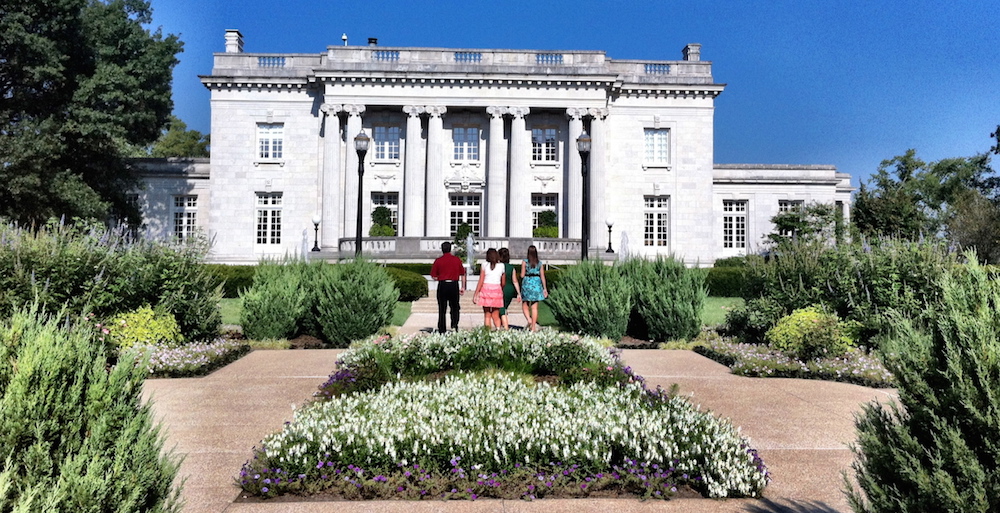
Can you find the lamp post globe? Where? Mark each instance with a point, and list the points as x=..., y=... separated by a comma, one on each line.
x=583, y=146
x=610, y=222
x=361, y=142
x=316, y=220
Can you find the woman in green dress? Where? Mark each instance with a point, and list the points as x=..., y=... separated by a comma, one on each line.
x=511, y=288
x=533, y=287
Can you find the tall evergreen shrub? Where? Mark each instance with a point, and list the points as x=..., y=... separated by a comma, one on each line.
x=593, y=299
x=74, y=432
x=276, y=302
x=354, y=300
x=939, y=449
x=667, y=298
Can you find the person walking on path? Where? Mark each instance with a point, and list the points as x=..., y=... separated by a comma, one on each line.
x=511, y=289
x=489, y=290
x=447, y=271
x=533, y=287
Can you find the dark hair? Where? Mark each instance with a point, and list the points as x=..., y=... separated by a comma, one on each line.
x=532, y=255
x=446, y=247
x=492, y=257
x=504, y=255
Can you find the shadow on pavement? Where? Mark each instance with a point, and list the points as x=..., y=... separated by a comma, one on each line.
x=790, y=506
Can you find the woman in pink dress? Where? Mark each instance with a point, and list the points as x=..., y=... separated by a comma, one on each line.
x=489, y=290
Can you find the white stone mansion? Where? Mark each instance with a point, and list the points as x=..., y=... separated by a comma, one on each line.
x=484, y=137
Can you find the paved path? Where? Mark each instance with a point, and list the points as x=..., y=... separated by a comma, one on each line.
x=800, y=427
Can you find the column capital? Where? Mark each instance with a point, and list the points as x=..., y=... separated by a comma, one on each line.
x=330, y=108
x=354, y=109
x=496, y=111
x=598, y=113
x=518, y=112
x=413, y=110
x=576, y=113
x=435, y=111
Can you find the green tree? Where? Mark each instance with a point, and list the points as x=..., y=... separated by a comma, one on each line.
x=80, y=80
x=973, y=222
x=178, y=141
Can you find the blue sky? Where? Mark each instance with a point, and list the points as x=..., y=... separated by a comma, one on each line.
x=847, y=83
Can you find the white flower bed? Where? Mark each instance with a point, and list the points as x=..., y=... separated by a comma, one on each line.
x=496, y=421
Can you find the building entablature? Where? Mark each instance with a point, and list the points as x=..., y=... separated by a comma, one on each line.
x=776, y=174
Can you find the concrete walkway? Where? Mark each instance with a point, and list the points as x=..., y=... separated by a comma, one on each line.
x=800, y=427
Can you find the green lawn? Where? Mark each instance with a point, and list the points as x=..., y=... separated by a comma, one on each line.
x=715, y=309
x=231, y=308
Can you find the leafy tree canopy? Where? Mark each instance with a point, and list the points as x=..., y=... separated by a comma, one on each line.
x=813, y=222
x=80, y=80
x=178, y=141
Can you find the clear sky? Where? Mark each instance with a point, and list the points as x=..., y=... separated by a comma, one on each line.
x=840, y=82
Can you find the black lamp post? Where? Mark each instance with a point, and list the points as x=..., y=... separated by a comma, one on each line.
x=361, y=145
x=316, y=220
x=583, y=146
x=610, y=223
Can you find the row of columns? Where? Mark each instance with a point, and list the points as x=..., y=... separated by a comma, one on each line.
x=425, y=204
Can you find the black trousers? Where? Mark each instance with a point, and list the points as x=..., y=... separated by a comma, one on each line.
x=447, y=295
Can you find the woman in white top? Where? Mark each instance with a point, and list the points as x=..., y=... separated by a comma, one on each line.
x=489, y=290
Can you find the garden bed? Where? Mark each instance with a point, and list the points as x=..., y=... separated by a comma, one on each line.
x=510, y=415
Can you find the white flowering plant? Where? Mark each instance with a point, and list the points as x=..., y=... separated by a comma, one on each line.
x=482, y=430
x=176, y=361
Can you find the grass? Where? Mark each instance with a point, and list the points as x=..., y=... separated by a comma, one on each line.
x=715, y=309
x=401, y=313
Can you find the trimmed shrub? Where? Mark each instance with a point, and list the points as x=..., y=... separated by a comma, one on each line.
x=276, y=302
x=593, y=299
x=545, y=232
x=144, y=327
x=421, y=269
x=736, y=261
x=75, y=433
x=667, y=298
x=354, y=301
x=233, y=278
x=750, y=321
x=810, y=333
x=725, y=281
x=381, y=230
x=937, y=449
x=411, y=285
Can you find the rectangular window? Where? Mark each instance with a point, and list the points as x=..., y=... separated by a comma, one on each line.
x=389, y=200
x=387, y=143
x=656, y=231
x=465, y=209
x=466, y=139
x=542, y=203
x=788, y=206
x=657, y=146
x=544, y=145
x=185, y=216
x=269, y=218
x=270, y=141
x=734, y=223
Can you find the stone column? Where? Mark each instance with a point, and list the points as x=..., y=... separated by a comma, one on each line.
x=598, y=176
x=496, y=176
x=573, y=191
x=351, y=171
x=414, y=188
x=436, y=206
x=519, y=204
x=330, y=227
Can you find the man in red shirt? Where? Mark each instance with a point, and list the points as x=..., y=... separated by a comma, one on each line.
x=447, y=271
